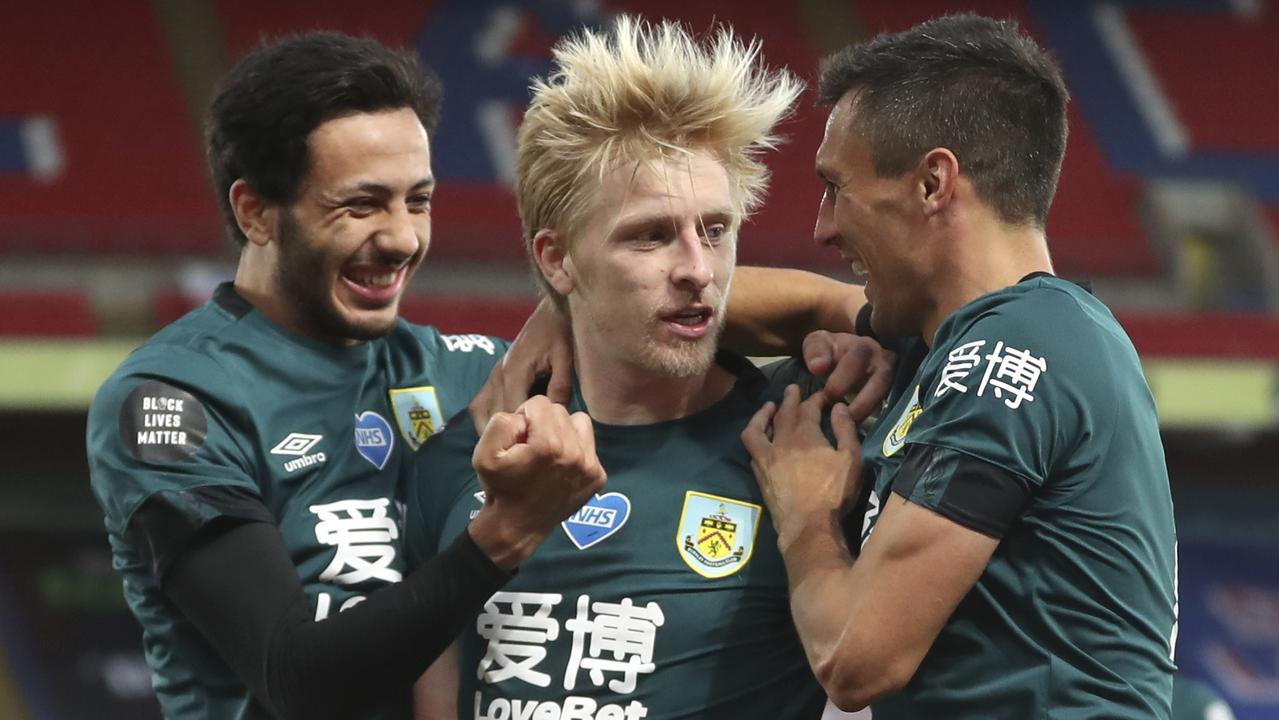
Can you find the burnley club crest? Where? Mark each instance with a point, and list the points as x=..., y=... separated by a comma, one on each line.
x=716, y=534
x=417, y=412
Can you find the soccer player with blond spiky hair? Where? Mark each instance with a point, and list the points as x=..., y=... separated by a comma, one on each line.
x=664, y=596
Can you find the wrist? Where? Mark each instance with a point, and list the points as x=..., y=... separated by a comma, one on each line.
x=842, y=310
x=814, y=533
x=505, y=543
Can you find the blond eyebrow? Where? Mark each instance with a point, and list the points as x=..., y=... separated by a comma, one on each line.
x=630, y=224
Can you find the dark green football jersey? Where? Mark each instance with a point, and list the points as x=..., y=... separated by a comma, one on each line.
x=1074, y=617
x=663, y=597
x=223, y=409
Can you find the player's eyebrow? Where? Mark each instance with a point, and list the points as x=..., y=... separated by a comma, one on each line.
x=375, y=188
x=635, y=223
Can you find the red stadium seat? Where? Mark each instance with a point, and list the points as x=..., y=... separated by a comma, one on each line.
x=132, y=179
x=1203, y=335
x=46, y=313
x=170, y=304
x=1212, y=67
x=122, y=169
x=502, y=317
x=1214, y=71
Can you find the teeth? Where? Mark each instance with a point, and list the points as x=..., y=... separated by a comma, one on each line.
x=378, y=280
x=688, y=318
x=859, y=267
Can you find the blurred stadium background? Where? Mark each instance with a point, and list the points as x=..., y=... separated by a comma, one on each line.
x=1169, y=204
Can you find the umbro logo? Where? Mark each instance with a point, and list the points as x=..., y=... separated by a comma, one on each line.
x=296, y=445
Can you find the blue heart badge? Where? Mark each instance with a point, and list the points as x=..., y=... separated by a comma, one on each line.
x=373, y=438
x=600, y=517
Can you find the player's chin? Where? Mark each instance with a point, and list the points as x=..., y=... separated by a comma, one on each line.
x=684, y=359
x=369, y=324
x=887, y=323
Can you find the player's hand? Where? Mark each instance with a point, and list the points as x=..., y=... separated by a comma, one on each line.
x=544, y=346
x=804, y=480
x=537, y=466
x=856, y=367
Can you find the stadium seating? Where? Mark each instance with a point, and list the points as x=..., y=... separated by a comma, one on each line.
x=117, y=166
x=1227, y=105
x=132, y=160
x=46, y=313
x=1229, y=102
x=1203, y=335
x=502, y=317
x=131, y=181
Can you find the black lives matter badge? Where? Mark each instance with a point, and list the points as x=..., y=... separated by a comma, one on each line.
x=162, y=424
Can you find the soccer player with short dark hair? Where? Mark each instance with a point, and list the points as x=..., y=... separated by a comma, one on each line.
x=1017, y=556
x=247, y=457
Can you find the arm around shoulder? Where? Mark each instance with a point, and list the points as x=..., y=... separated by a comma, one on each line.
x=771, y=310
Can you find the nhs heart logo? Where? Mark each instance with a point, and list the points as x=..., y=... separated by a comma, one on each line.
x=600, y=517
x=373, y=438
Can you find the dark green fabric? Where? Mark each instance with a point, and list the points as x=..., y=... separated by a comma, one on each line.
x=1074, y=614
x=252, y=386
x=725, y=646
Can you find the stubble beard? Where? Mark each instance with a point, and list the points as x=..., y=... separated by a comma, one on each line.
x=303, y=279
x=682, y=359
x=676, y=359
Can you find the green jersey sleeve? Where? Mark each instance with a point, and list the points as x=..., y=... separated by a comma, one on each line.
x=168, y=427
x=1008, y=398
x=441, y=474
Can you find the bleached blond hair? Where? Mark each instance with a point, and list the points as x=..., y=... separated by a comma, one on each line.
x=642, y=92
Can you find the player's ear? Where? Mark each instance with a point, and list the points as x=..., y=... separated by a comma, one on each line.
x=937, y=175
x=255, y=216
x=553, y=260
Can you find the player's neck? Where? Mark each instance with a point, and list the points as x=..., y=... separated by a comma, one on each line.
x=618, y=392
x=255, y=281
x=988, y=257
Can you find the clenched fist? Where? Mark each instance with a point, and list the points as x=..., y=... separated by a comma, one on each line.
x=537, y=466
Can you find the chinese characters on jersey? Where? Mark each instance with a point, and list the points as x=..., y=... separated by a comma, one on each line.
x=363, y=535
x=612, y=644
x=1009, y=374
